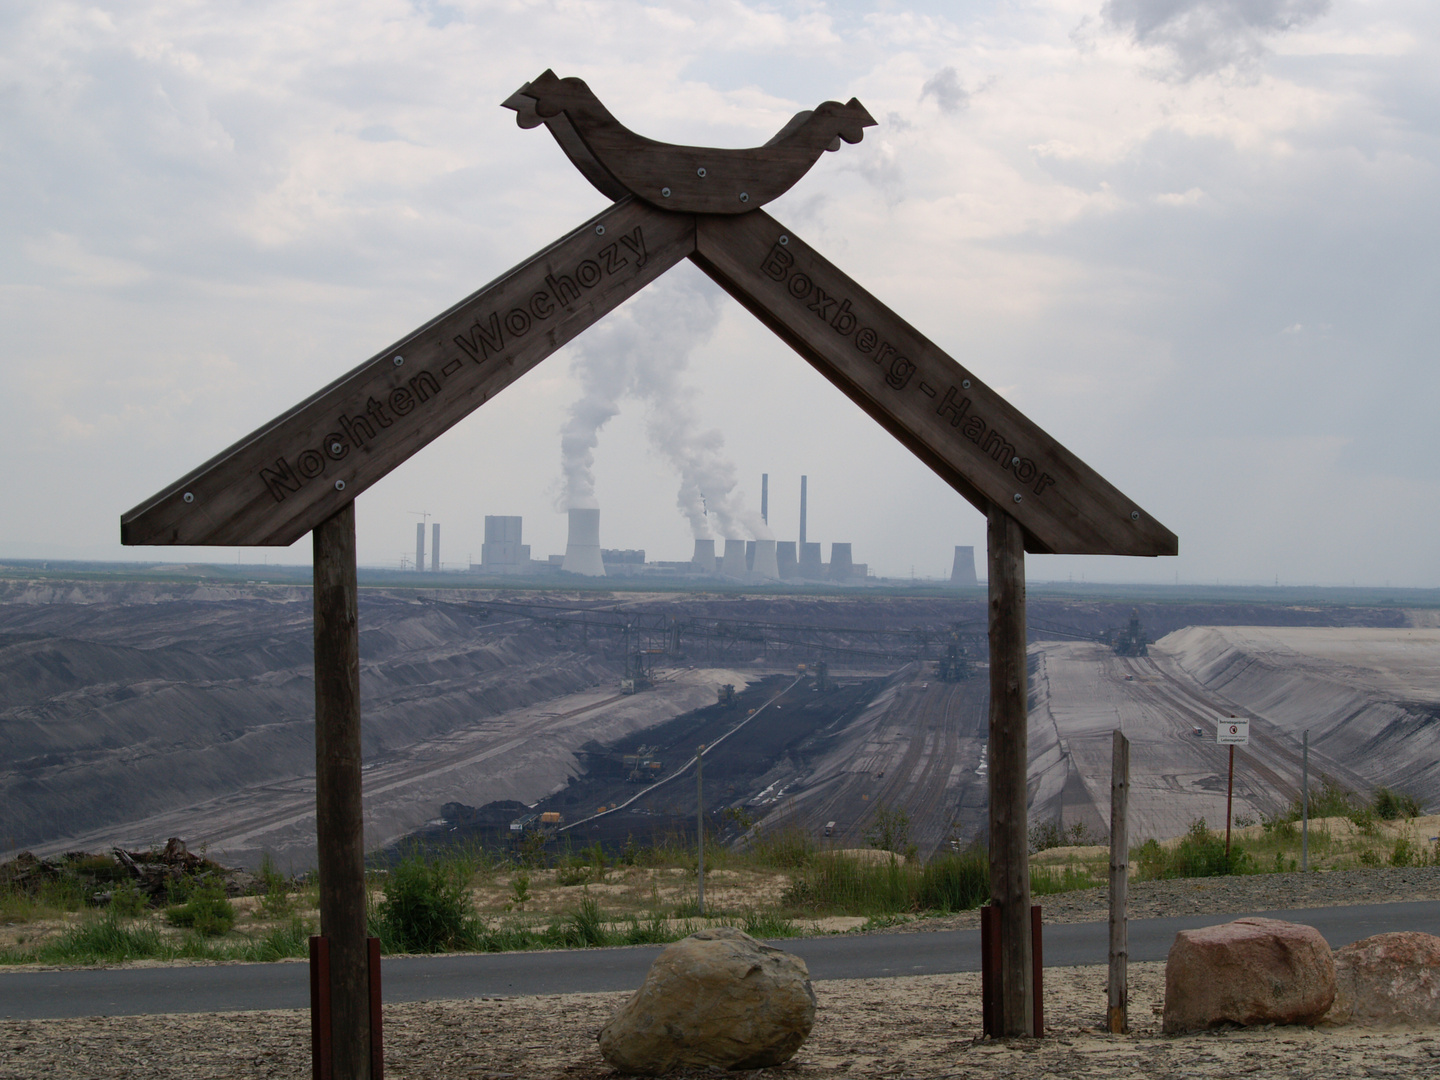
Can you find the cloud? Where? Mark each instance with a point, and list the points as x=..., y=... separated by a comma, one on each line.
x=944, y=86
x=1209, y=35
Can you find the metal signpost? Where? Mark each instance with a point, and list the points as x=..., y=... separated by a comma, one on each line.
x=1231, y=733
x=302, y=471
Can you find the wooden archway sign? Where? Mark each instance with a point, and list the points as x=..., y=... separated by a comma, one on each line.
x=302, y=471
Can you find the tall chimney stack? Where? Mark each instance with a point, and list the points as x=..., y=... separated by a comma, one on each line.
x=420, y=546
x=582, y=550
x=803, y=480
x=765, y=497
x=435, y=548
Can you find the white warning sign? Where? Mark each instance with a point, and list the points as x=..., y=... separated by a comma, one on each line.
x=1233, y=732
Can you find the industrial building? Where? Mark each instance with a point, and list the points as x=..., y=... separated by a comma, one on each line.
x=726, y=559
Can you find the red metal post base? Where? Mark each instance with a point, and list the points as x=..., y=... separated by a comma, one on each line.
x=321, y=1058
x=991, y=1022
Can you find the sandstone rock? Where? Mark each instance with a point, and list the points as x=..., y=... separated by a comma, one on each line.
x=1250, y=971
x=717, y=998
x=1388, y=980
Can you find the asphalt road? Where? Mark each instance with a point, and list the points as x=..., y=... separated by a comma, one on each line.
x=236, y=987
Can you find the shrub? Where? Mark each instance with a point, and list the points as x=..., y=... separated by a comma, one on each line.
x=1200, y=853
x=1390, y=805
x=126, y=900
x=890, y=831
x=275, y=899
x=1404, y=853
x=207, y=912
x=426, y=907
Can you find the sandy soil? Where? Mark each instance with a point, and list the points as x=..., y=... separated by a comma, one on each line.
x=926, y=1027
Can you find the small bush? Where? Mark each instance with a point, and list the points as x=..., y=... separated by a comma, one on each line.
x=275, y=899
x=1045, y=881
x=1404, y=853
x=890, y=831
x=426, y=907
x=207, y=912
x=1392, y=805
x=126, y=900
x=1200, y=853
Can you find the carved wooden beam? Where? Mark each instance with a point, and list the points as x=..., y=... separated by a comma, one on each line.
x=287, y=477
x=978, y=442
x=690, y=179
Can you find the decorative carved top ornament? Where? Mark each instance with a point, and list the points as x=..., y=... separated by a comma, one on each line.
x=687, y=179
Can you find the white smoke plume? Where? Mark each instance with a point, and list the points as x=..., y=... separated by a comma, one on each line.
x=641, y=352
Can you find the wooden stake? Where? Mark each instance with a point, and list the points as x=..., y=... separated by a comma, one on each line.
x=1119, y=883
x=1009, y=716
x=700, y=832
x=338, y=814
x=1229, y=794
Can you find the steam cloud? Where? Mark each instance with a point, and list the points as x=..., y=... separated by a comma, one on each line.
x=641, y=351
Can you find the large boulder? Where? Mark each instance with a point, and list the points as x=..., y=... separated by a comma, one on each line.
x=717, y=998
x=1250, y=971
x=1388, y=980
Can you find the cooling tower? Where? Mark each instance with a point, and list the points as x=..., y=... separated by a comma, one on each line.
x=841, y=568
x=810, y=566
x=785, y=560
x=749, y=555
x=962, y=576
x=766, y=567
x=733, y=564
x=582, y=550
x=704, y=558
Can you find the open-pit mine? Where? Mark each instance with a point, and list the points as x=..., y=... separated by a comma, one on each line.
x=135, y=711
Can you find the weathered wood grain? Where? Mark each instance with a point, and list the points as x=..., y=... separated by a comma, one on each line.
x=1119, y=983
x=1007, y=757
x=694, y=179
x=972, y=437
x=339, y=815
x=282, y=480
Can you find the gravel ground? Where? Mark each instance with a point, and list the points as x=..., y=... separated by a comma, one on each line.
x=878, y=1029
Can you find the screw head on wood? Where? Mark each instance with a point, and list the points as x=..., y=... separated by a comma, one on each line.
x=399, y=360
x=1017, y=496
x=665, y=192
x=339, y=485
x=744, y=196
x=599, y=230
x=700, y=172
x=189, y=496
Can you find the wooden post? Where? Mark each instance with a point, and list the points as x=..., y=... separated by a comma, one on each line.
x=1305, y=803
x=1008, y=751
x=1229, y=794
x=1119, y=883
x=700, y=832
x=338, y=815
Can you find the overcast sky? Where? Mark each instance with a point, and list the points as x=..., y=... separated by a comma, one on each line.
x=1195, y=240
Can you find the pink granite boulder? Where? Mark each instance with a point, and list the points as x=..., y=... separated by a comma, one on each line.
x=1250, y=971
x=1389, y=980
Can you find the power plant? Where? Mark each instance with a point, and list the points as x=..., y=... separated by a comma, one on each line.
x=732, y=559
